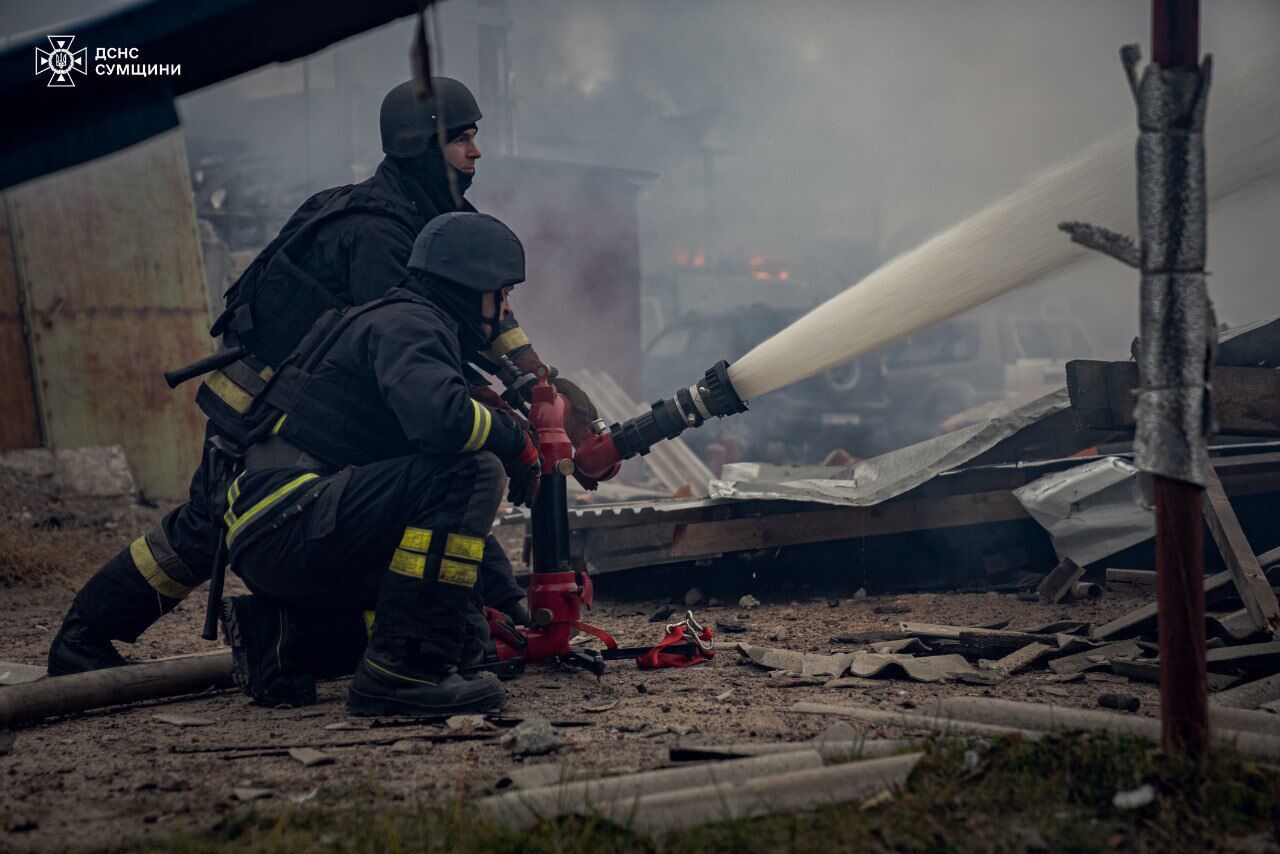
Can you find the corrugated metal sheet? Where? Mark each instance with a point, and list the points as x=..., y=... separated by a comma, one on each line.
x=19, y=418
x=108, y=257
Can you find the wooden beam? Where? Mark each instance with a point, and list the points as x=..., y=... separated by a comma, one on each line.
x=1255, y=591
x=1246, y=400
x=840, y=523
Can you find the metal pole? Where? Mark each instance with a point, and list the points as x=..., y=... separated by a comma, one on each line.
x=1171, y=220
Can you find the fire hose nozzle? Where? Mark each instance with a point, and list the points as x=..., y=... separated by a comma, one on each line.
x=713, y=396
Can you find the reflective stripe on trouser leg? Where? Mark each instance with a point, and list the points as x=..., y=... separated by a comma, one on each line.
x=161, y=567
x=426, y=594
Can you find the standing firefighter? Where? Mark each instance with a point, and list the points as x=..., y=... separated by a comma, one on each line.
x=344, y=246
x=378, y=477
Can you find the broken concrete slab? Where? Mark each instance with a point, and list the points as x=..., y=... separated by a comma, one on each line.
x=839, y=742
x=1057, y=585
x=902, y=645
x=1020, y=659
x=526, y=807
x=1148, y=670
x=536, y=776
x=1250, y=695
x=1251, y=656
x=1062, y=627
x=931, y=668
x=803, y=664
x=309, y=757
x=1099, y=657
x=534, y=736
x=244, y=794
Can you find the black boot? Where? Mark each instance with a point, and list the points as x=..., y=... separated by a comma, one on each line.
x=115, y=604
x=330, y=643
x=394, y=679
x=264, y=643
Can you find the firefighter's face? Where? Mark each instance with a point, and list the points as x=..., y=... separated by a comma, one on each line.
x=494, y=303
x=462, y=153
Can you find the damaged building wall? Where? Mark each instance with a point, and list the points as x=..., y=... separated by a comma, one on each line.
x=105, y=261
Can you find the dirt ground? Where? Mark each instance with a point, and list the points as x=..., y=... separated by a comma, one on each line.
x=123, y=774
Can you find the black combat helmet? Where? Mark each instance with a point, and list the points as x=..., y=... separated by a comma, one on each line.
x=408, y=125
x=471, y=250
x=456, y=259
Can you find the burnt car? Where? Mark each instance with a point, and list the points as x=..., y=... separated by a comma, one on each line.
x=894, y=396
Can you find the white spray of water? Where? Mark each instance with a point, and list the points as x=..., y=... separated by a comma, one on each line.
x=1014, y=241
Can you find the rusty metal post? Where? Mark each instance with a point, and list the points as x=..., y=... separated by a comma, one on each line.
x=1173, y=413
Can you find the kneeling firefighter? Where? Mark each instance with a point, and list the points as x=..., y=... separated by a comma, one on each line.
x=375, y=481
x=344, y=246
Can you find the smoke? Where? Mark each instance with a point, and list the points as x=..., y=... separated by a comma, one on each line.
x=830, y=135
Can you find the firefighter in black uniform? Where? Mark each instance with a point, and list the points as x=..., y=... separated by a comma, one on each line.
x=344, y=246
x=378, y=475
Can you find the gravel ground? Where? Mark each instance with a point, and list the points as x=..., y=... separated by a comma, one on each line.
x=122, y=773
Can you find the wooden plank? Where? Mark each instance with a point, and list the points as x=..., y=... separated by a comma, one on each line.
x=1255, y=591
x=1131, y=623
x=1143, y=577
x=1246, y=400
x=839, y=522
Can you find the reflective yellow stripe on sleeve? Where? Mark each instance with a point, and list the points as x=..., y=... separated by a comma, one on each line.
x=278, y=495
x=479, y=428
x=152, y=573
x=506, y=342
x=232, y=395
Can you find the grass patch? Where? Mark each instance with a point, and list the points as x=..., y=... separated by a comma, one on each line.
x=1009, y=796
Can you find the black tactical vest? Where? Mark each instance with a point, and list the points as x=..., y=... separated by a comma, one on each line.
x=271, y=307
x=332, y=416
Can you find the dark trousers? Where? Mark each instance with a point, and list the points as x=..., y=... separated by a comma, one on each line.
x=330, y=547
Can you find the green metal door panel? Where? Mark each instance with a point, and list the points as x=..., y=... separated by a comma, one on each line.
x=107, y=255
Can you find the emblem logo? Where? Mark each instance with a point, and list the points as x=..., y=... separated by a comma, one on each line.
x=60, y=60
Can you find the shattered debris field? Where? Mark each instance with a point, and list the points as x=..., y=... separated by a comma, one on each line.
x=213, y=769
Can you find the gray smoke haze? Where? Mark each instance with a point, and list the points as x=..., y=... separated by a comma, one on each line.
x=832, y=135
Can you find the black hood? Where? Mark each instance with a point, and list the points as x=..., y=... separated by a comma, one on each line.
x=427, y=176
x=461, y=304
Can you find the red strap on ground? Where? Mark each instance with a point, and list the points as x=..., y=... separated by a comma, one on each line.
x=678, y=634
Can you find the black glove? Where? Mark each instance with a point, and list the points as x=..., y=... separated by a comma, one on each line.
x=525, y=473
x=516, y=610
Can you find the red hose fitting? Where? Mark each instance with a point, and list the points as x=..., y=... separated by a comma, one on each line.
x=597, y=458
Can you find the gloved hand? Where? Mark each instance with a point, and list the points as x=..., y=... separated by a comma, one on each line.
x=490, y=398
x=516, y=609
x=581, y=411
x=525, y=473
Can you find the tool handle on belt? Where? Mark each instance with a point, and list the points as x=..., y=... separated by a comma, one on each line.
x=178, y=376
x=213, y=605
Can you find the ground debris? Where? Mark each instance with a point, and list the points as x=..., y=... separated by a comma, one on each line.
x=1120, y=702
x=730, y=626
x=181, y=720
x=309, y=757
x=748, y=601
x=1096, y=658
x=244, y=794
x=534, y=737
x=1134, y=798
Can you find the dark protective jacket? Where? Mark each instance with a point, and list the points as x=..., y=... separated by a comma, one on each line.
x=344, y=246
x=383, y=380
